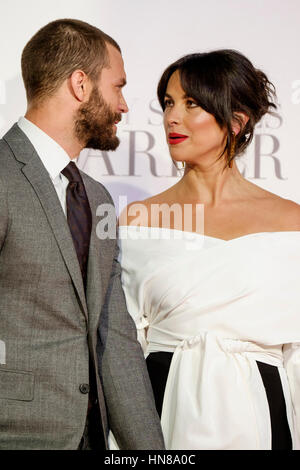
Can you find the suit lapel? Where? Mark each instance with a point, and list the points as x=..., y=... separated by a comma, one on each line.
x=100, y=258
x=37, y=175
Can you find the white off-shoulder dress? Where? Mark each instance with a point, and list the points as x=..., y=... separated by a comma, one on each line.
x=219, y=306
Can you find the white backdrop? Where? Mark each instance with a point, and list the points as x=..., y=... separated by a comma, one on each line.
x=152, y=34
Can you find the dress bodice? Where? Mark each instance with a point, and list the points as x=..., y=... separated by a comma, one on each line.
x=246, y=288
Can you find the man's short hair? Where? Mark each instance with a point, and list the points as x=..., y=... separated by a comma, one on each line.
x=57, y=50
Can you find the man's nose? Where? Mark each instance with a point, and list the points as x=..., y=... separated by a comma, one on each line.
x=123, y=106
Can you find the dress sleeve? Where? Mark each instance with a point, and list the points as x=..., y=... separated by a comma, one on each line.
x=133, y=286
x=291, y=353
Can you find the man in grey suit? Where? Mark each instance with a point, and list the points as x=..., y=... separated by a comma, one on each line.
x=70, y=364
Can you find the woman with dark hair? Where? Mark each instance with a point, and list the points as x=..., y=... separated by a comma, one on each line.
x=217, y=309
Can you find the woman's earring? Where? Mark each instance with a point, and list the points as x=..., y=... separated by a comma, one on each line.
x=232, y=149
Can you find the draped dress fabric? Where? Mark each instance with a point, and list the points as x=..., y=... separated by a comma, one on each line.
x=219, y=306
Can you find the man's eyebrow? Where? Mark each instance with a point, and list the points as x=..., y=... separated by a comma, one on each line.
x=122, y=82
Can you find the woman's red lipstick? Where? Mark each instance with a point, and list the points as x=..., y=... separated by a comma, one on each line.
x=175, y=138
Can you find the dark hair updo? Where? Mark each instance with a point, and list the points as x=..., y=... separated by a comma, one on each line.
x=223, y=83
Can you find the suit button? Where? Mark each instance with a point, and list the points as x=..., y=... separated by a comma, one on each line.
x=84, y=388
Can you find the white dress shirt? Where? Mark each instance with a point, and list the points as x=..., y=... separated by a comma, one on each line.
x=52, y=155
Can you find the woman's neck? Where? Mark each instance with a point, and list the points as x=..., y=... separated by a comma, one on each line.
x=211, y=186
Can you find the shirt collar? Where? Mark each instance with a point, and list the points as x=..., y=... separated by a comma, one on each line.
x=53, y=156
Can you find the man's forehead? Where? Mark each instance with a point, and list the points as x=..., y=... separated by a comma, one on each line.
x=114, y=54
x=116, y=64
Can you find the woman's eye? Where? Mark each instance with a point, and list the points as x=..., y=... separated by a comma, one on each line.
x=191, y=104
x=167, y=103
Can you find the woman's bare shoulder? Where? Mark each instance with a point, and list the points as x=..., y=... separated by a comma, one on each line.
x=286, y=211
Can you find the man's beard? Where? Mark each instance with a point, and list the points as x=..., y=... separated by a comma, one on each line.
x=94, y=123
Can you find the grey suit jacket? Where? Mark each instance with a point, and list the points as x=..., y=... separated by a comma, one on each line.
x=50, y=327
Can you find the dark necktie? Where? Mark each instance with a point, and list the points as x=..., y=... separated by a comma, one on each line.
x=79, y=216
x=80, y=222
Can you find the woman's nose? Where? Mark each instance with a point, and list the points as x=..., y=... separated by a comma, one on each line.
x=173, y=115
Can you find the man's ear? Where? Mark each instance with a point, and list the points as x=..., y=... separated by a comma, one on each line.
x=79, y=85
x=239, y=122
